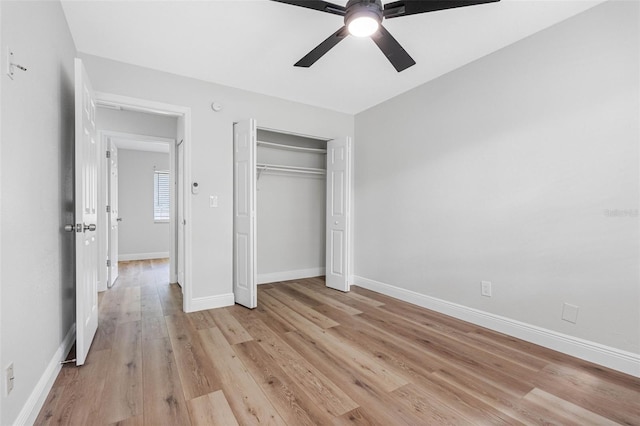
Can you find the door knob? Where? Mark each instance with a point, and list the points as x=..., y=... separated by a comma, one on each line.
x=119, y=219
x=90, y=227
x=70, y=228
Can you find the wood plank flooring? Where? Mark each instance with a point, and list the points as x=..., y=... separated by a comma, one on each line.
x=310, y=355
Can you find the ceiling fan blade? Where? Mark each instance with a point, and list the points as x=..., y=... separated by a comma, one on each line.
x=395, y=53
x=323, y=48
x=322, y=6
x=412, y=7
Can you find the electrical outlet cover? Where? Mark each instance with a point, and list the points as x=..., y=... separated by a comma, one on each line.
x=485, y=288
x=570, y=312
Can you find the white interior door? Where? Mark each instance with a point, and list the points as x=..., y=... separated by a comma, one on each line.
x=244, y=211
x=180, y=211
x=114, y=219
x=338, y=199
x=86, y=213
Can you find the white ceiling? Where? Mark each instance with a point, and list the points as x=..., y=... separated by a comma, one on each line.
x=253, y=44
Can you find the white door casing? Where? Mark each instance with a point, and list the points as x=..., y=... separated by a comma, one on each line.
x=114, y=219
x=86, y=213
x=180, y=210
x=244, y=211
x=103, y=215
x=338, y=202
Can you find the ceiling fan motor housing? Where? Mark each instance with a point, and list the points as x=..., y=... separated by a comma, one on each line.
x=358, y=8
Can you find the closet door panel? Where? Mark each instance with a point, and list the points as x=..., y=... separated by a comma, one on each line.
x=338, y=199
x=244, y=268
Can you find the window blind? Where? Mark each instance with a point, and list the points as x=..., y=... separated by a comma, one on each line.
x=161, y=196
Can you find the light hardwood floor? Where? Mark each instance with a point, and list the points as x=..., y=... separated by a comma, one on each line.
x=311, y=355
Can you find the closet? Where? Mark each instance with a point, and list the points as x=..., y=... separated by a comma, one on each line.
x=290, y=206
x=291, y=198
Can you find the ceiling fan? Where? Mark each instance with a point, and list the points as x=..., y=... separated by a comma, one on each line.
x=363, y=18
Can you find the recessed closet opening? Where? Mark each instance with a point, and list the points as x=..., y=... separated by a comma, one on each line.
x=291, y=214
x=290, y=206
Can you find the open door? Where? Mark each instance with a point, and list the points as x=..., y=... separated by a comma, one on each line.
x=338, y=199
x=114, y=219
x=86, y=213
x=244, y=213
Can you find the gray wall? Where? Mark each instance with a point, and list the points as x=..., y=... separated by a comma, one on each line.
x=137, y=123
x=510, y=170
x=138, y=233
x=37, y=263
x=290, y=223
x=212, y=150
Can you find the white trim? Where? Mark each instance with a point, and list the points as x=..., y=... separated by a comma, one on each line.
x=36, y=400
x=2, y=380
x=143, y=256
x=173, y=214
x=124, y=140
x=186, y=190
x=607, y=356
x=273, y=277
x=182, y=113
x=212, y=302
x=103, y=216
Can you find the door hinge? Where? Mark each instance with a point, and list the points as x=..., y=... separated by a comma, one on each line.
x=108, y=154
x=108, y=263
x=108, y=209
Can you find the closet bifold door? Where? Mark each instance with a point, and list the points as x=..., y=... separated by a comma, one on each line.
x=244, y=214
x=338, y=202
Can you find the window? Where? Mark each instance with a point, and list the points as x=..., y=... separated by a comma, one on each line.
x=160, y=196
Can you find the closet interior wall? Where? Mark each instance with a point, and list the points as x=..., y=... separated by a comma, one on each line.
x=290, y=206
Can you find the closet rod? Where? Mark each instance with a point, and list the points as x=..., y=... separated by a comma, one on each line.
x=292, y=169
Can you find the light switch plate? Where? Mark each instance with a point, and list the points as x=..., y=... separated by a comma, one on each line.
x=9, y=379
x=9, y=61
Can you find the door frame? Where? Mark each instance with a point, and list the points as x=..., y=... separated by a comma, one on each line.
x=180, y=196
x=183, y=115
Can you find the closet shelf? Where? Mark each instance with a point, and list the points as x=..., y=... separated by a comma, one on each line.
x=291, y=147
x=263, y=167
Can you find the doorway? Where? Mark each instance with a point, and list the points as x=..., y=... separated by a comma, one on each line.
x=179, y=169
x=142, y=166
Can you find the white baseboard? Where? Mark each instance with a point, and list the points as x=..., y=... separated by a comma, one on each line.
x=36, y=400
x=211, y=302
x=290, y=275
x=143, y=256
x=607, y=356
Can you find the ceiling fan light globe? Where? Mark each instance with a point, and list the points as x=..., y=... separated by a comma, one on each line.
x=363, y=26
